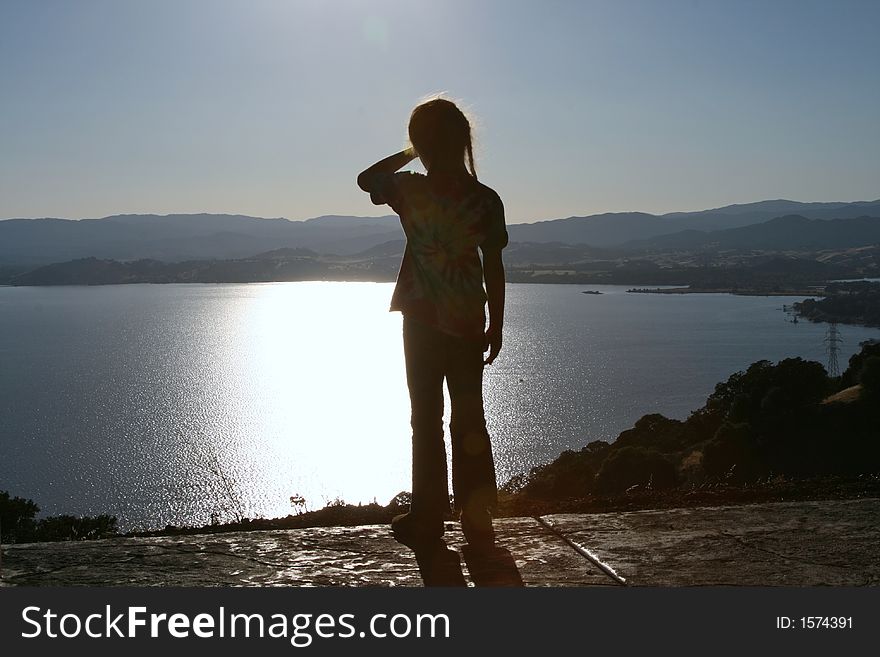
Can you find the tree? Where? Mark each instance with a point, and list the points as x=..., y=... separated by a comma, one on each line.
x=71, y=528
x=869, y=376
x=17, y=518
x=853, y=372
x=733, y=454
x=631, y=466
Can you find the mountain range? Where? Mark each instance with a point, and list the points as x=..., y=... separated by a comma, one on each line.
x=179, y=237
x=789, y=233
x=176, y=238
x=618, y=228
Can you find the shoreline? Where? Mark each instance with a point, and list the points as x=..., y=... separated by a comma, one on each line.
x=732, y=291
x=777, y=489
x=633, y=290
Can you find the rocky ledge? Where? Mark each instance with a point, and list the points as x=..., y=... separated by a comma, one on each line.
x=772, y=544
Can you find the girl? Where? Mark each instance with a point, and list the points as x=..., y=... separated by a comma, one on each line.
x=447, y=215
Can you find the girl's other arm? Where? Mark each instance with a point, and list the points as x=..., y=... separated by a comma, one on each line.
x=389, y=164
x=493, y=272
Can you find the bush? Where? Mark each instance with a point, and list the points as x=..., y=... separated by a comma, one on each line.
x=853, y=372
x=18, y=524
x=401, y=502
x=635, y=466
x=71, y=528
x=655, y=431
x=765, y=389
x=17, y=518
x=869, y=376
x=734, y=454
x=572, y=474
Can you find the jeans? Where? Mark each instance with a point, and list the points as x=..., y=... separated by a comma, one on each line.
x=431, y=357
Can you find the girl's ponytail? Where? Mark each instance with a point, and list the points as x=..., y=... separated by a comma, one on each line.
x=470, y=156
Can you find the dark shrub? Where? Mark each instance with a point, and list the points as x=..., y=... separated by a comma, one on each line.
x=869, y=376
x=850, y=443
x=734, y=454
x=766, y=389
x=654, y=431
x=17, y=518
x=572, y=474
x=852, y=375
x=631, y=466
x=71, y=528
x=401, y=501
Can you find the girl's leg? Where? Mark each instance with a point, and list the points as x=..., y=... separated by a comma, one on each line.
x=473, y=467
x=424, y=376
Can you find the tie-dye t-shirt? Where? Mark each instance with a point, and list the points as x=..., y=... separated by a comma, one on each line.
x=446, y=219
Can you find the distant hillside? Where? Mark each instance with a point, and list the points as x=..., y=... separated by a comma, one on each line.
x=767, y=274
x=615, y=229
x=279, y=265
x=515, y=255
x=855, y=302
x=788, y=233
x=175, y=238
x=780, y=207
x=554, y=253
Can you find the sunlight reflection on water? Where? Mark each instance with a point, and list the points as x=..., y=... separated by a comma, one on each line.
x=310, y=383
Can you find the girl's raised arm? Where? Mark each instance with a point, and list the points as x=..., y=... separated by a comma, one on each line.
x=389, y=164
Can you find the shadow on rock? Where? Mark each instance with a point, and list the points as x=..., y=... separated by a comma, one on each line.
x=440, y=566
x=494, y=567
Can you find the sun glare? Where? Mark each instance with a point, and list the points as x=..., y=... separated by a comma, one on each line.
x=326, y=390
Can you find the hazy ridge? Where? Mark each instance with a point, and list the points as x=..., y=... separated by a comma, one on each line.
x=176, y=238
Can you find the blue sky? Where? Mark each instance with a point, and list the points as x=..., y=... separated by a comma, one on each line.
x=271, y=108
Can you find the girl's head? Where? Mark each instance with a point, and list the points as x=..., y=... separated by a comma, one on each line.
x=441, y=134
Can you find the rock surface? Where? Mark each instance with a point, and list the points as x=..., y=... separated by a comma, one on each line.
x=830, y=543
x=797, y=543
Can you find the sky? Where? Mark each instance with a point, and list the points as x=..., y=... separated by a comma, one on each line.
x=272, y=107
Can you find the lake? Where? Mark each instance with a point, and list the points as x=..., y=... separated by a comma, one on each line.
x=175, y=403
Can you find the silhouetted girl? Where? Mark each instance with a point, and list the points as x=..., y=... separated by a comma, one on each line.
x=447, y=216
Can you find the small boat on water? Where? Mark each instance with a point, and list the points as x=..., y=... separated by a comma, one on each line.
x=590, y=292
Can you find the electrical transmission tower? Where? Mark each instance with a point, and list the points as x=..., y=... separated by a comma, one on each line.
x=832, y=341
